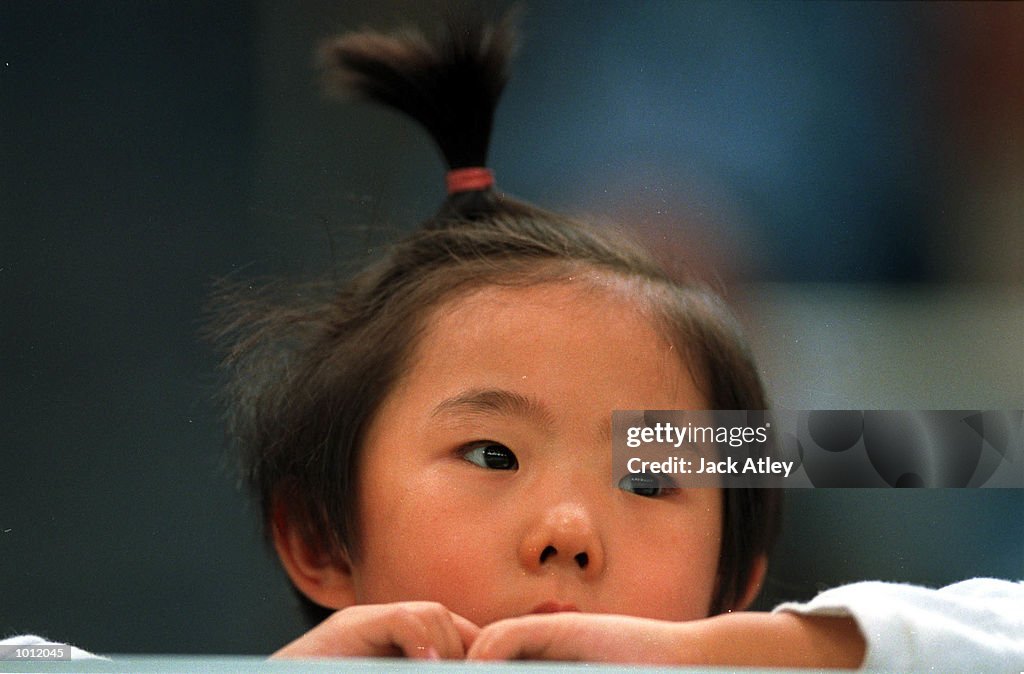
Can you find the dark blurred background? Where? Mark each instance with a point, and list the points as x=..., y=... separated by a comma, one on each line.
x=849, y=173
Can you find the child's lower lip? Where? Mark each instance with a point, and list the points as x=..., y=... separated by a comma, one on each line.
x=553, y=607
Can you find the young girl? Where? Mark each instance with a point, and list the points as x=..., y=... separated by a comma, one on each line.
x=430, y=442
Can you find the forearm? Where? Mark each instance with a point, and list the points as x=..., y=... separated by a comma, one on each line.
x=735, y=639
x=774, y=640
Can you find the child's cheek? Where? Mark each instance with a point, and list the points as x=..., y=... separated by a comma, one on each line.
x=435, y=539
x=664, y=556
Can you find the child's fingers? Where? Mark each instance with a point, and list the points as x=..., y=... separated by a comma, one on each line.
x=468, y=631
x=425, y=631
x=422, y=630
x=527, y=638
x=579, y=636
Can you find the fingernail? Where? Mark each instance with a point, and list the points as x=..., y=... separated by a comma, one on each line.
x=431, y=654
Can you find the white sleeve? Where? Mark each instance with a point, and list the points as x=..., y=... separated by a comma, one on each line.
x=975, y=625
x=33, y=640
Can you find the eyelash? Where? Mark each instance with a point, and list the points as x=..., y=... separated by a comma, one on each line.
x=480, y=450
x=646, y=485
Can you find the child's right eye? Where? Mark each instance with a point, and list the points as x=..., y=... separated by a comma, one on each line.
x=645, y=484
x=491, y=455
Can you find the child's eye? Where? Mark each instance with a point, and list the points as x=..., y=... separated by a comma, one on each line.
x=645, y=484
x=491, y=455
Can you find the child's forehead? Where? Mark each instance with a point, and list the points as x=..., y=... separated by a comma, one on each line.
x=594, y=318
x=569, y=296
x=583, y=344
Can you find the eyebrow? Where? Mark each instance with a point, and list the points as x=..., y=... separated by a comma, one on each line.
x=501, y=402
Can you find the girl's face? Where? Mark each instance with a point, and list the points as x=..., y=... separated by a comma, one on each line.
x=486, y=478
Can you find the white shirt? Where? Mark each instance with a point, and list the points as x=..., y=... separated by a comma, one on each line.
x=974, y=625
x=30, y=640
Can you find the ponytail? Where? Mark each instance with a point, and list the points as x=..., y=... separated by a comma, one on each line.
x=450, y=85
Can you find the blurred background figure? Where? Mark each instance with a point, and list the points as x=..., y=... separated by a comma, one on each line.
x=850, y=174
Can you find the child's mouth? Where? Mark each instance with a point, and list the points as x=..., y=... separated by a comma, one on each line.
x=553, y=607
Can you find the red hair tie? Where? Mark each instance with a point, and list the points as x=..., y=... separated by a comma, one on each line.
x=471, y=179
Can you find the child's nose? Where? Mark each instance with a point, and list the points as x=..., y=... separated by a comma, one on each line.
x=564, y=537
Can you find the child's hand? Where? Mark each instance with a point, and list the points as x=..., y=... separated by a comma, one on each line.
x=751, y=639
x=589, y=637
x=416, y=629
